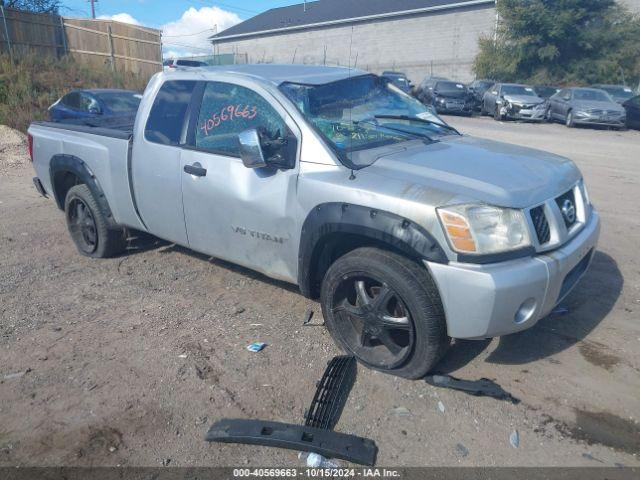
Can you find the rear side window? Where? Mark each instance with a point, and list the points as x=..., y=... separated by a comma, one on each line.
x=166, y=120
x=227, y=110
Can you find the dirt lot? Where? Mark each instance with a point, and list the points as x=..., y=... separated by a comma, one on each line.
x=127, y=361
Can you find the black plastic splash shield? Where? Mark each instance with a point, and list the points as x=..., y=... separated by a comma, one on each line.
x=327, y=443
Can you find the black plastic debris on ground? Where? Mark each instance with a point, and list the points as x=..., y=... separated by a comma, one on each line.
x=317, y=434
x=308, y=316
x=331, y=393
x=479, y=388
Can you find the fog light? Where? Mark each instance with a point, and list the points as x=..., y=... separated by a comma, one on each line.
x=525, y=312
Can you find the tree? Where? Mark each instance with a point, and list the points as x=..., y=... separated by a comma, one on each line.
x=562, y=41
x=37, y=6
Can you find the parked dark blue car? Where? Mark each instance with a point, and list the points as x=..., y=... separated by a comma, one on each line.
x=83, y=104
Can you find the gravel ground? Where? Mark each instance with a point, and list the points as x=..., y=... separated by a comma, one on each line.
x=128, y=361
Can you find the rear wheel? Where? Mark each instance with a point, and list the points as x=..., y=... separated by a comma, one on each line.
x=89, y=227
x=386, y=311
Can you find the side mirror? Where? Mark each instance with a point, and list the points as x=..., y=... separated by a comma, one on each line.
x=251, y=150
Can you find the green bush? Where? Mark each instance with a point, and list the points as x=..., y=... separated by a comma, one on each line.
x=31, y=84
x=562, y=42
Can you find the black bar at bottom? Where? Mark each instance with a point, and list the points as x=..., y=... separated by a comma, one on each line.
x=327, y=443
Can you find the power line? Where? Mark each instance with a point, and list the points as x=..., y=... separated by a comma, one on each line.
x=189, y=34
x=226, y=5
x=186, y=46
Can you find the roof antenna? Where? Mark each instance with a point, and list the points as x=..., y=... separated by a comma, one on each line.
x=305, y=5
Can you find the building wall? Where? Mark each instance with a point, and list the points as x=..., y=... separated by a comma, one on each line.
x=633, y=5
x=442, y=44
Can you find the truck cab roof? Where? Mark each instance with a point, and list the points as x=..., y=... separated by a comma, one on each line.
x=278, y=74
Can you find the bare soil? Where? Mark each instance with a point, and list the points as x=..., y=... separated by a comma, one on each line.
x=127, y=361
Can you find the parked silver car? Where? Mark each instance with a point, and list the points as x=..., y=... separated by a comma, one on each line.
x=512, y=101
x=585, y=106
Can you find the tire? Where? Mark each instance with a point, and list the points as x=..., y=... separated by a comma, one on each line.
x=569, y=120
x=89, y=228
x=483, y=112
x=402, y=291
x=496, y=114
x=547, y=116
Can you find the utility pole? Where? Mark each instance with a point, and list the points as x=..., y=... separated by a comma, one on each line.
x=93, y=8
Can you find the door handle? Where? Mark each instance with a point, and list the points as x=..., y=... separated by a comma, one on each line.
x=195, y=169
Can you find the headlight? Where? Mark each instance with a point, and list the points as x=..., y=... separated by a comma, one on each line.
x=482, y=229
x=585, y=193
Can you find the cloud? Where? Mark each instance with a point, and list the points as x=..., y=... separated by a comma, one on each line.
x=120, y=17
x=188, y=36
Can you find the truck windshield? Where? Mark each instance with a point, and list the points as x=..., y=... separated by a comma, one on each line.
x=363, y=112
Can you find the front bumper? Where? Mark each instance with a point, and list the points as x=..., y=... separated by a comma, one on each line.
x=514, y=112
x=599, y=121
x=454, y=107
x=482, y=301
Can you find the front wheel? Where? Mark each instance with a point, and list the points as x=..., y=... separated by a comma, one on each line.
x=569, y=120
x=497, y=115
x=386, y=311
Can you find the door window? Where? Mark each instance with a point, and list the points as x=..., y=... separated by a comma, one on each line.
x=168, y=113
x=227, y=110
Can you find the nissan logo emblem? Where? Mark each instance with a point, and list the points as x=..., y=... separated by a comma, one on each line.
x=569, y=211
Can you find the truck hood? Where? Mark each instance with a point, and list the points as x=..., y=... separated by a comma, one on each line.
x=481, y=170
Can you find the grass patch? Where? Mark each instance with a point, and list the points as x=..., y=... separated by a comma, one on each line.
x=29, y=86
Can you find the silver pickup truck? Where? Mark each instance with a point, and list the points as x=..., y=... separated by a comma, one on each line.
x=333, y=179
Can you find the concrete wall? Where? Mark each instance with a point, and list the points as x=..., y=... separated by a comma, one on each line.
x=443, y=44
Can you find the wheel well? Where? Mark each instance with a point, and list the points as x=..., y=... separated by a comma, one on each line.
x=335, y=245
x=63, y=181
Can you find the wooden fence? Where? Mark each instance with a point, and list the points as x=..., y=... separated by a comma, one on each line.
x=121, y=46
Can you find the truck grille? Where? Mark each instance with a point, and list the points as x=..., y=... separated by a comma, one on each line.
x=541, y=224
x=569, y=200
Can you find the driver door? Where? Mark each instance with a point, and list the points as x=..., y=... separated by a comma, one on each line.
x=232, y=212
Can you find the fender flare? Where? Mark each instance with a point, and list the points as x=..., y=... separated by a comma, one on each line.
x=378, y=225
x=71, y=164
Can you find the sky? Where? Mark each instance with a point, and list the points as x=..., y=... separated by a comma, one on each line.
x=185, y=24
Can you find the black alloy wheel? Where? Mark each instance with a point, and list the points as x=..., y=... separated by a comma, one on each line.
x=373, y=321
x=82, y=225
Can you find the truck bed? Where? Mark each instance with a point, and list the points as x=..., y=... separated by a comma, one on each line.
x=116, y=127
x=103, y=145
